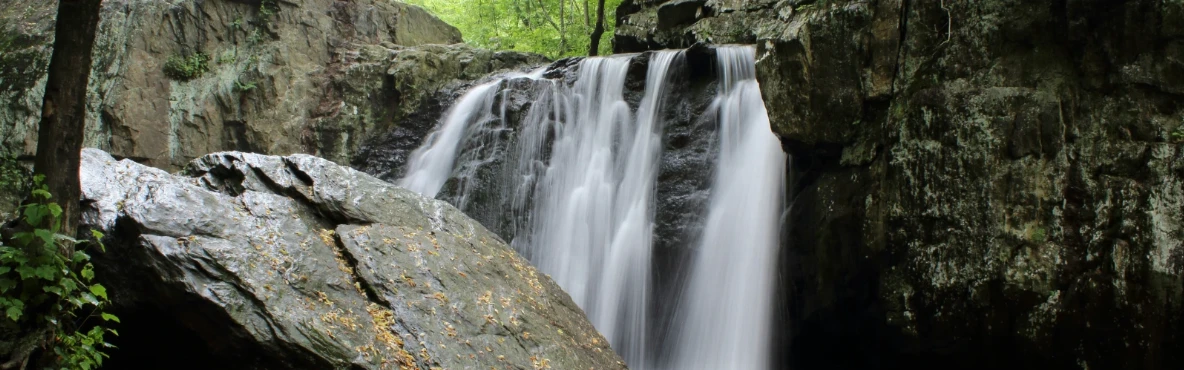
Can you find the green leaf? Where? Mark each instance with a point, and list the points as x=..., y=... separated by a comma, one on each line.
x=42, y=193
x=23, y=238
x=52, y=289
x=109, y=317
x=89, y=298
x=7, y=284
x=26, y=272
x=5, y=269
x=13, y=313
x=65, y=238
x=69, y=285
x=99, y=291
x=88, y=272
x=80, y=257
x=34, y=214
x=46, y=272
x=54, y=209
x=46, y=236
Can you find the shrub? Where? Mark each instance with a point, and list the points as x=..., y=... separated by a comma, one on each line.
x=14, y=178
x=46, y=283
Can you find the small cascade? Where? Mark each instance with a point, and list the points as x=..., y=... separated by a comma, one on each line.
x=724, y=319
x=576, y=176
x=473, y=121
x=431, y=165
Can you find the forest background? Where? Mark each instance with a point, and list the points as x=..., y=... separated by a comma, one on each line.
x=555, y=28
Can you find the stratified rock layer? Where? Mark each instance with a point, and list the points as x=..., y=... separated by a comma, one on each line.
x=263, y=262
x=977, y=184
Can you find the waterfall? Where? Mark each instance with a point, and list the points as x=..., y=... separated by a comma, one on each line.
x=431, y=165
x=593, y=204
x=726, y=312
x=473, y=116
x=578, y=180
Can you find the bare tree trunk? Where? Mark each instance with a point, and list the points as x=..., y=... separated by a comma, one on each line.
x=587, y=15
x=562, y=29
x=594, y=47
x=63, y=112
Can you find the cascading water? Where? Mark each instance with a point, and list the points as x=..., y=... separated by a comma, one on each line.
x=593, y=217
x=724, y=317
x=580, y=186
x=431, y=165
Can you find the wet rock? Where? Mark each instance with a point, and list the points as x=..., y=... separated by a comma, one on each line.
x=979, y=185
x=423, y=84
x=261, y=262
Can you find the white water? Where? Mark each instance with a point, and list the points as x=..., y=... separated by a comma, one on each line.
x=726, y=312
x=581, y=183
x=593, y=204
x=473, y=116
x=431, y=164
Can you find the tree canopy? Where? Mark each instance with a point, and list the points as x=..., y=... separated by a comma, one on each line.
x=555, y=28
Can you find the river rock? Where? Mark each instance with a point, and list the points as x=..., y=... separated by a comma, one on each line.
x=248, y=261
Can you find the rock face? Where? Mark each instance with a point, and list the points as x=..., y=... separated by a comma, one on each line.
x=266, y=76
x=263, y=262
x=984, y=184
x=432, y=77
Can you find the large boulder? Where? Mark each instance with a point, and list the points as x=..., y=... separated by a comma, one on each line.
x=260, y=262
x=265, y=76
x=977, y=184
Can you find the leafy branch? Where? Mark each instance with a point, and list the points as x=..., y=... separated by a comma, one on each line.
x=46, y=283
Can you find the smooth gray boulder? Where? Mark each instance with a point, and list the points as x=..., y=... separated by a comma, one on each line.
x=249, y=261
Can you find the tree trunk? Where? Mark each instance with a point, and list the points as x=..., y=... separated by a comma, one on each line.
x=587, y=15
x=594, y=47
x=63, y=112
x=562, y=29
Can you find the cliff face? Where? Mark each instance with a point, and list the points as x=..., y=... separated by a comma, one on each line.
x=977, y=183
x=174, y=80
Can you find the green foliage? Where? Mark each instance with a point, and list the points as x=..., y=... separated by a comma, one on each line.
x=227, y=57
x=187, y=68
x=528, y=25
x=44, y=283
x=244, y=86
x=1177, y=135
x=255, y=38
x=14, y=177
x=267, y=9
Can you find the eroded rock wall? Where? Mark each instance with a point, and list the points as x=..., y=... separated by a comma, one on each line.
x=980, y=184
x=280, y=77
